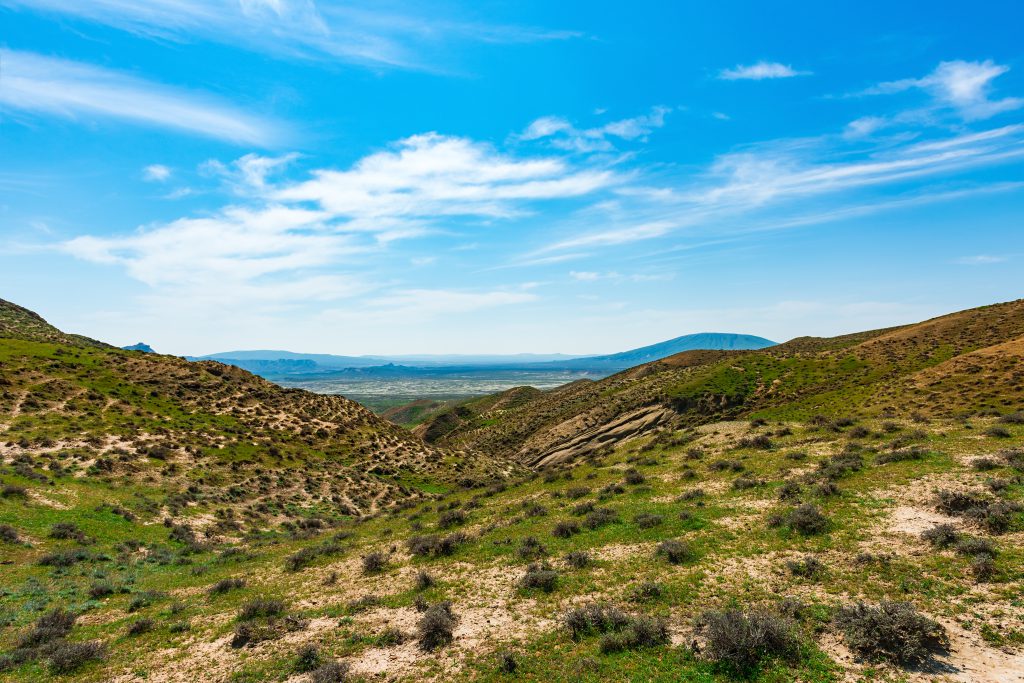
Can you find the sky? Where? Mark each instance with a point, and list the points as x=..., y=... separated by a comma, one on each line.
x=397, y=177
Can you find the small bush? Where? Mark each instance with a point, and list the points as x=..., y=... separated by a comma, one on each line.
x=451, y=518
x=578, y=559
x=997, y=432
x=331, y=672
x=540, y=577
x=575, y=492
x=594, y=618
x=741, y=640
x=648, y=520
x=226, y=585
x=375, y=562
x=806, y=567
x=1016, y=418
x=790, y=490
x=599, y=517
x=957, y=502
x=261, y=607
x=675, y=551
x=985, y=464
x=508, y=663
x=892, y=631
x=531, y=549
x=759, y=442
x=975, y=546
x=744, y=483
x=565, y=529
x=140, y=626
x=634, y=476
x=647, y=591
x=8, y=534
x=436, y=626
x=941, y=535
x=65, y=658
x=308, y=658
x=807, y=519
x=983, y=567
x=995, y=517
x=424, y=580
x=640, y=632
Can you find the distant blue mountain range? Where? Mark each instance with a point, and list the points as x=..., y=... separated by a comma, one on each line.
x=279, y=364
x=139, y=347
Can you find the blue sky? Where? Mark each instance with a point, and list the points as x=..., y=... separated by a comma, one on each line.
x=447, y=177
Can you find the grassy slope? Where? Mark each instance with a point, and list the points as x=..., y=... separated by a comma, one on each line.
x=968, y=360
x=739, y=561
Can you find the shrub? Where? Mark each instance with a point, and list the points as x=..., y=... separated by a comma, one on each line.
x=1016, y=418
x=957, y=502
x=424, y=580
x=744, y=483
x=101, y=589
x=52, y=626
x=983, y=567
x=140, y=626
x=985, y=464
x=902, y=455
x=995, y=517
x=576, y=492
x=975, y=547
x=634, y=476
x=507, y=662
x=648, y=520
x=451, y=518
x=807, y=519
x=300, y=559
x=530, y=548
x=261, y=607
x=740, y=640
x=806, y=567
x=998, y=432
x=436, y=626
x=539, y=576
x=691, y=494
x=675, y=551
x=760, y=442
x=308, y=658
x=599, y=517
x=645, y=592
x=594, y=618
x=375, y=562
x=639, y=632
x=330, y=672
x=790, y=490
x=941, y=535
x=565, y=529
x=893, y=631
x=578, y=559
x=64, y=558
x=583, y=508
x=67, y=531
x=65, y=658
x=225, y=585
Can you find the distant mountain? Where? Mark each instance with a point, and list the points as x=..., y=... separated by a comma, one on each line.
x=282, y=364
x=703, y=341
x=141, y=346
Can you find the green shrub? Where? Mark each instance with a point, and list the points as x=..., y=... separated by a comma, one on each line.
x=892, y=631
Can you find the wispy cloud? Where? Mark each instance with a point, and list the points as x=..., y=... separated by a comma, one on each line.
x=964, y=87
x=980, y=260
x=356, y=32
x=310, y=230
x=156, y=173
x=562, y=134
x=57, y=87
x=760, y=71
x=746, y=186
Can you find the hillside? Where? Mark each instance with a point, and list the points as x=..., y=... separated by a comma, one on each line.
x=963, y=362
x=204, y=432
x=169, y=521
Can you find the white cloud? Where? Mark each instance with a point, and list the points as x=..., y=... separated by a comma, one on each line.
x=357, y=32
x=564, y=135
x=310, y=230
x=959, y=85
x=980, y=260
x=58, y=87
x=431, y=175
x=745, y=186
x=760, y=71
x=156, y=173
x=584, y=276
